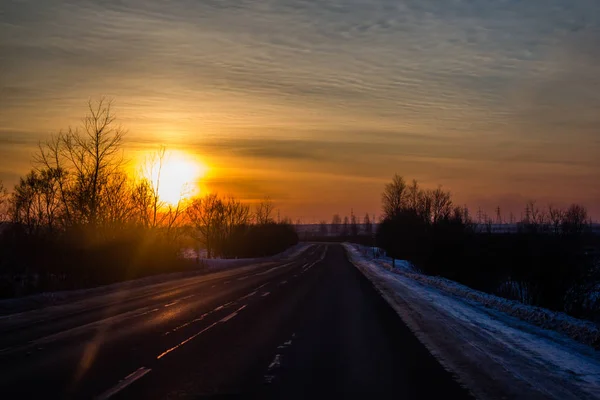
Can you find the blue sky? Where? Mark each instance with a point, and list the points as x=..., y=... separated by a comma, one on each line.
x=319, y=103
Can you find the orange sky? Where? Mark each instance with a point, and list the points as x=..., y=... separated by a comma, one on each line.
x=317, y=107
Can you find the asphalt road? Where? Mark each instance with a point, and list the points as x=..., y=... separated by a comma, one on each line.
x=310, y=326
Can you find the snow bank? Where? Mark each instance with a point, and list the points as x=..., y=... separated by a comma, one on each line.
x=495, y=347
x=585, y=332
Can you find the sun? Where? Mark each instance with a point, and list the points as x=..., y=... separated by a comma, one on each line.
x=176, y=175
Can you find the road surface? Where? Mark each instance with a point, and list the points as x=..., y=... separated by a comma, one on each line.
x=309, y=326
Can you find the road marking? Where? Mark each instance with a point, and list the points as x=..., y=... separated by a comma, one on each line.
x=187, y=297
x=200, y=318
x=170, y=304
x=223, y=306
x=129, y=379
x=282, y=282
x=195, y=335
x=273, y=269
x=276, y=362
x=164, y=353
x=233, y=314
x=269, y=376
x=265, y=294
x=248, y=295
x=242, y=278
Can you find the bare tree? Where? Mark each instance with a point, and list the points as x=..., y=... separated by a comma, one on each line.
x=263, y=211
x=368, y=224
x=575, y=219
x=556, y=216
x=353, y=224
x=3, y=202
x=345, y=226
x=117, y=206
x=441, y=205
x=425, y=206
x=85, y=159
x=323, y=229
x=236, y=214
x=394, y=197
x=35, y=202
x=336, y=221
x=152, y=211
x=413, y=195
x=207, y=216
x=94, y=154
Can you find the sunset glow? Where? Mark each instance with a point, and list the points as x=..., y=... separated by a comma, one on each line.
x=177, y=176
x=496, y=101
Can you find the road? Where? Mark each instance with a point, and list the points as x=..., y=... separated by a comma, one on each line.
x=308, y=326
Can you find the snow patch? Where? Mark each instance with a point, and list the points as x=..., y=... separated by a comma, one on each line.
x=496, y=347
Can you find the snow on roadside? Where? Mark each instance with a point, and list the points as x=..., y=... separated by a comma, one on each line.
x=485, y=345
x=582, y=331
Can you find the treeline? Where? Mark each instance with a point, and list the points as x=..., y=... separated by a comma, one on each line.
x=227, y=228
x=549, y=261
x=79, y=219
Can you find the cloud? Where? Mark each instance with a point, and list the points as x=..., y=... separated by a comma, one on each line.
x=414, y=82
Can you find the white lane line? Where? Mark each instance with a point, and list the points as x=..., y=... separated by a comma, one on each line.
x=223, y=306
x=200, y=318
x=233, y=314
x=248, y=295
x=241, y=278
x=265, y=294
x=274, y=269
x=282, y=282
x=262, y=286
x=276, y=362
x=226, y=282
x=195, y=335
x=187, y=297
x=213, y=286
x=129, y=379
x=269, y=376
x=170, y=304
x=164, y=353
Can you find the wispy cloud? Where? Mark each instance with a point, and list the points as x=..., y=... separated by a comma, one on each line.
x=481, y=81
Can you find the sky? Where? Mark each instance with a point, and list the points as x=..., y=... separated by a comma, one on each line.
x=318, y=103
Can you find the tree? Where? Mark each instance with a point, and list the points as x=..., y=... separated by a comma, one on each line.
x=207, y=216
x=263, y=211
x=35, y=202
x=323, y=229
x=152, y=211
x=353, y=224
x=85, y=159
x=441, y=205
x=368, y=224
x=236, y=214
x=3, y=202
x=575, y=219
x=394, y=197
x=413, y=195
x=336, y=221
x=556, y=216
x=345, y=226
